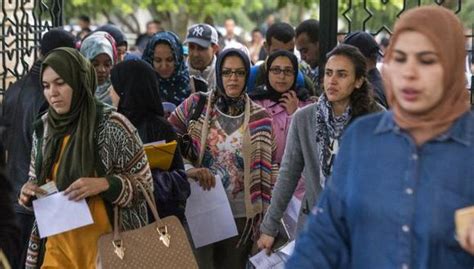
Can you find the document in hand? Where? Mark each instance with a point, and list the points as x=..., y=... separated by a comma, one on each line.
x=209, y=215
x=275, y=260
x=160, y=154
x=56, y=214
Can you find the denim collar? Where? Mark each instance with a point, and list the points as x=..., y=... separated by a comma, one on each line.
x=461, y=131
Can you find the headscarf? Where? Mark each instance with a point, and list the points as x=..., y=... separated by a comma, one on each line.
x=445, y=31
x=98, y=43
x=268, y=92
x=175, y=88
x=231, y=105
x=78, y=159
x=115, y=32
x=56, y=38
x=136, y=84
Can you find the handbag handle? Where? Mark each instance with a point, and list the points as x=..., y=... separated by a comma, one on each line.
x=161, y=228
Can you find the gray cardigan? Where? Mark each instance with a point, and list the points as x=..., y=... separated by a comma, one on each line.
x=300, y=156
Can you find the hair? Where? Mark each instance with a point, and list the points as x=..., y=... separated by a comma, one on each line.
x=85, y=18
x=362, y=99
x=153, y=22
x=281, y=31
x=255, y=30
x=311, y=28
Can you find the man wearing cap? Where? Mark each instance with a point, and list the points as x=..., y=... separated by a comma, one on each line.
x=370, y=49
x=202, y=41
x=24, y=103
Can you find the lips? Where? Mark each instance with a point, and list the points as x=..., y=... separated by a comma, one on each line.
x=410, y=94
x=331, y=91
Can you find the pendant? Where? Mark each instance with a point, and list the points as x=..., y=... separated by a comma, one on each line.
x=165, y=237
x=119, y=249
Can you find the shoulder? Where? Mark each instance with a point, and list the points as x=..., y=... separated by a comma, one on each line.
x=366, y=125
x=114, y=123
x=306, y=112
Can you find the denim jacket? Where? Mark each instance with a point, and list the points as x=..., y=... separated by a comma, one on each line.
x=391, y=203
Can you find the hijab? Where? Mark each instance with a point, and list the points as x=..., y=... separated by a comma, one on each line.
x=136, y=84
x=232, y=106
x=99, y=43
x=175, y=88
x=268, y=92
x=445, y=31
x=79, y=156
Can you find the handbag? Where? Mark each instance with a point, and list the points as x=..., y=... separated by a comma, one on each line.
x=185, y=142
x=161, y=244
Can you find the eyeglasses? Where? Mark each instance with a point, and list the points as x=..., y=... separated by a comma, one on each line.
x=228, y=73
x=286, y=72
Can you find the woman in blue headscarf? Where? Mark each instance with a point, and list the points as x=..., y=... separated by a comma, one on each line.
x=164, y=52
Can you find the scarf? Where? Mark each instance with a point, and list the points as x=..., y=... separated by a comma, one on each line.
x=136, y=84
x=328, y=133
x=174, y=89
x=445, y=31
x=267, y=92
x=78, y=158
x=232, y=106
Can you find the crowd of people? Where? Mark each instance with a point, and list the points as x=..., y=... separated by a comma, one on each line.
x=378, y=155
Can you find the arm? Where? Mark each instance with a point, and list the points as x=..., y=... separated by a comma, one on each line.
x=290, y=171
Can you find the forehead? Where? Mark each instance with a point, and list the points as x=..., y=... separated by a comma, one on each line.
x=280, y=45
x=49, y=74
x=413, y=42
x=281, y=61
x=303, y=40
x=101, y=58
x=339, y=62
x=162, y=48
x=233, y=62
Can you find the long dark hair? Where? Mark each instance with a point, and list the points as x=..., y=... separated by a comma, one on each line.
x=362, y=99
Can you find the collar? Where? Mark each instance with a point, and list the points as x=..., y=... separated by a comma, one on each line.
x=461, y=131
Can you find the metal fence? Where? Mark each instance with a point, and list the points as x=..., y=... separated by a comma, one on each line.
x=22, y=23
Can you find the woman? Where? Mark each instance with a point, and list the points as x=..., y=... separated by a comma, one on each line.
x=233, y=140
x=90, y=153
x=279, y=96
x=401, y=175
x=314, y=135
x=164, y=53
x=99, y=48
x=137, y=88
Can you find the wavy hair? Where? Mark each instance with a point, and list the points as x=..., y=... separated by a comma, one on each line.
x=362, y=99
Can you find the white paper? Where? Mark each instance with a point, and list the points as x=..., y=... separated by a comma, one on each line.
x=209, y=215
x=57, y=214
x=262, y=261
x=288, y=249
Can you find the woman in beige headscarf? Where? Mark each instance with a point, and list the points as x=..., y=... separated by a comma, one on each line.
x=400, y=176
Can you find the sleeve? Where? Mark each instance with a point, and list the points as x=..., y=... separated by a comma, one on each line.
x=125, y=161
x=324, y=241
x=180, y=116
x=290, y=172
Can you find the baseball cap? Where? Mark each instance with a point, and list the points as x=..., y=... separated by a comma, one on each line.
x=363, y=41
x=202, y=34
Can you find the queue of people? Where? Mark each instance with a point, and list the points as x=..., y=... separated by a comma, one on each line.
x=379, y=169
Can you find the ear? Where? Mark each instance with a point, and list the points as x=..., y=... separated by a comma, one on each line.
x=215, y=48
x=359, y=82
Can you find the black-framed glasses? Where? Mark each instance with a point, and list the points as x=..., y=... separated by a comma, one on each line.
x=287, y=72
x=229, y=72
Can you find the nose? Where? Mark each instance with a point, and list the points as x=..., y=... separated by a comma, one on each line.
x=332, y=80
x=410, y=69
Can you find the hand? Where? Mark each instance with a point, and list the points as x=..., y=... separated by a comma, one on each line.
x=204, y=176
x=86, y=187
x=266, y=242
x=290, y=102
x=29, y=190
x=467, y=242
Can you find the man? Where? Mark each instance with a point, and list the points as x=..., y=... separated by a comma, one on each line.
x=307, y=43
x=152, y=27
x=280, y=36
x=370, y=49
x=202, y=41
x=84, y=24
x=24, y=102
x=230, y=36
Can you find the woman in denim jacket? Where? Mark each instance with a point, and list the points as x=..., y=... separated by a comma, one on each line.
x=401, y=175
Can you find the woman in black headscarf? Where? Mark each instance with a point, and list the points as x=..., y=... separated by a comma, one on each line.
x=137, y=87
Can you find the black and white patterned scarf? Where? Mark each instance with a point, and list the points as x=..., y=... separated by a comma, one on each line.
x=328, y=132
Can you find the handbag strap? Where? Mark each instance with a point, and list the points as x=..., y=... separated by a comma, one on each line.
x=149, y=201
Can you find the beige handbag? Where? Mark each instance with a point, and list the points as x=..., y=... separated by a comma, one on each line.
x=162, y=244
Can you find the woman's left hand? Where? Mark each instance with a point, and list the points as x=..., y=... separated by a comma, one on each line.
x=467, y=242
x=86, y=187
x=290, y=102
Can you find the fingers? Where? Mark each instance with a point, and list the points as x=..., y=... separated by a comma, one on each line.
x=28, y=191
x=206, y=179
x=78, y=190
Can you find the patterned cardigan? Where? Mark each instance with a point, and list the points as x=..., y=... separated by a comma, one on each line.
x=123, y=160
x=262, y=166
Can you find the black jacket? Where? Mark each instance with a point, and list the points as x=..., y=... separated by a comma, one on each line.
x=24, y=102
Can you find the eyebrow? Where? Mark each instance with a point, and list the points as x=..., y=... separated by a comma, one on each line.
x=421, y=53
x=338, y=70
x=54, y=80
